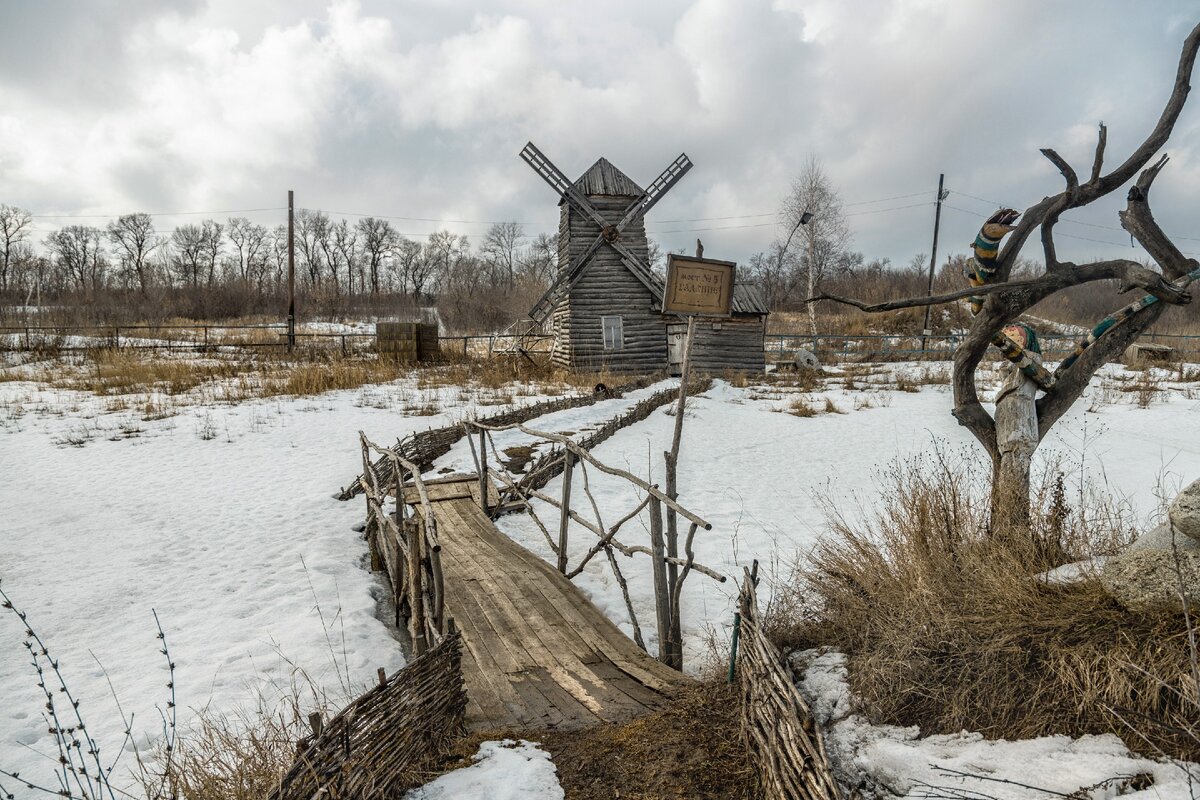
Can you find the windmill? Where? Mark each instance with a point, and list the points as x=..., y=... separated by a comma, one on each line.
x=602, y=230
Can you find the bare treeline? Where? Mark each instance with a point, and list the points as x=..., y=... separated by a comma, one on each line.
x=237, y=267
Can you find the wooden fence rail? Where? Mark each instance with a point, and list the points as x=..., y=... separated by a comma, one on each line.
x=406, y=547
x=423, y=447
x=784, y=744
x=377, y=746
x=571, y=455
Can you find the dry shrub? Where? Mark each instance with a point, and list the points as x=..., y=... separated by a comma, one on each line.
x=945, y=628
x=691, y=747
x=236, y=756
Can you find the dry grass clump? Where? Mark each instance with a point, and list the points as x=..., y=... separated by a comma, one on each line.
x=690, y=748
x=237, y=756
x=945, y=628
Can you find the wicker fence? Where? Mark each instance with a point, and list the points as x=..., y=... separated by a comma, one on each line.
x=377, y=746
x=785, y=745
x=551, y=464
x=405, y=546
x=423, y=447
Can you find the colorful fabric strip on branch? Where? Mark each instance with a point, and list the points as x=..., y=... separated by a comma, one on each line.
x=1117, y=317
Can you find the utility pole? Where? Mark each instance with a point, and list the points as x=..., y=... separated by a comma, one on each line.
x=937, y=222
x=291, y=319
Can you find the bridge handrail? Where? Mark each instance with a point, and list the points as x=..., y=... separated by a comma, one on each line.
x=415, y=572
x=668, y=569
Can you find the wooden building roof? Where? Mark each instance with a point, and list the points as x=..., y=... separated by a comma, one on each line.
x=602, y=178
x=747, y=299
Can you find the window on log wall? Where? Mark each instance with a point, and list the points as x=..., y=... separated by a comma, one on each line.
x=614, y=333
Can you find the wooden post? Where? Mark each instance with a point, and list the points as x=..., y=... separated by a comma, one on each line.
x=401, y=510
x=1016, y=439
x=564, y=518
x=671, y=458
x=937, y=221
x=416, y=602
x=291, y=318
x=483, y=472
x=658, y=557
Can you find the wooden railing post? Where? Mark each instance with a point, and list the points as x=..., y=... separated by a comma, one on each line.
x=658, y=557
x=483, y=472
x=564, y=517
x=416, y=602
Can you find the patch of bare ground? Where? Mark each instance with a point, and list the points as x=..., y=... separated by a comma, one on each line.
x=691, y=748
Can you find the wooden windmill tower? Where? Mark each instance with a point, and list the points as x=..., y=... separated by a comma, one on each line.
x=604, y=307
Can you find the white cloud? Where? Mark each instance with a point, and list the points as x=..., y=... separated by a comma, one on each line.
x=419, y=109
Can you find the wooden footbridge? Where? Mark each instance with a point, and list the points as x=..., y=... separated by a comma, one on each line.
x=536, y=652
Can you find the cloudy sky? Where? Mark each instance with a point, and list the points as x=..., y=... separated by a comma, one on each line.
x=417, y=109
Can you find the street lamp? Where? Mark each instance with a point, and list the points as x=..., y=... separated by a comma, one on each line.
x=805, y=218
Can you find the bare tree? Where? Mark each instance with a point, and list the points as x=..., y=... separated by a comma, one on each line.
x=1022, y=419
x=824, y=237
x=775, y=271
x=277, y=256
x=312, y=237
x=500, y=251
x=249, y=242
x=78, y=252
x=187, y=257
x=443, y=250
x=378, y=241
x=133, y=237
x=409, y=267
x=346, y=252
x=539, y=261
x=15, y=226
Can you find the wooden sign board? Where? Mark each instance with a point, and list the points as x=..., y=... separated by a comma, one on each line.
x=698, y=286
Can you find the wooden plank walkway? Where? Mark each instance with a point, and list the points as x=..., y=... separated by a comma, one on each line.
x=537, y=653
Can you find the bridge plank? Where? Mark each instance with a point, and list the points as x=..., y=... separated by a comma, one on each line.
x=538, y=653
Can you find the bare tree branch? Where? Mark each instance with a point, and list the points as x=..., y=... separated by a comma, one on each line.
x=1098, y=161
x=1061, y=204
x=1139, y=221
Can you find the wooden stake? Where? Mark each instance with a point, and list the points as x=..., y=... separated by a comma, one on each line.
x=416, y=601
x=483, y=472
x=564, y=518
x=291, y=319
x=659, y=566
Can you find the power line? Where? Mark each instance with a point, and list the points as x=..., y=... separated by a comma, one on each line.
x=156, y=213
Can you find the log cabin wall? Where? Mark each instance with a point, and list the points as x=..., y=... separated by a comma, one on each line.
x=734, y=344
x=607, y=288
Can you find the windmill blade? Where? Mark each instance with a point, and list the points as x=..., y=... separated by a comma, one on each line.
x=640, y=270
x=560, y=183
x=655, y=191
x=546, y=304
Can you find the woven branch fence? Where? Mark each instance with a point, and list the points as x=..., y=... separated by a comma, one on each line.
x=784, y=744
x=423, y=447
x=405, y=546
x=377, y=746
x=551, y=464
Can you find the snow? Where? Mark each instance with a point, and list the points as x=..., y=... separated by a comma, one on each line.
x=220, y=517
x=758, y=475
x=503, y=770
x=889, y=761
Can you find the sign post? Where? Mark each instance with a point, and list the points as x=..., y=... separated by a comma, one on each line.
x=696, y=287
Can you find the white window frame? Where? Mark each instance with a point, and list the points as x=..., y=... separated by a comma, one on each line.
x=612, y=332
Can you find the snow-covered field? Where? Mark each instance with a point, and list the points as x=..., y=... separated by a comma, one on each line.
x=221, y=518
